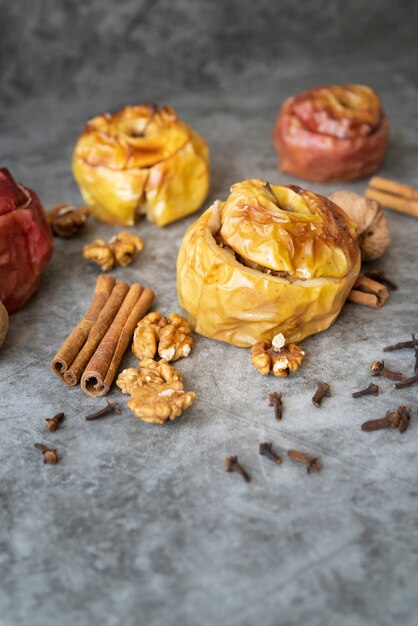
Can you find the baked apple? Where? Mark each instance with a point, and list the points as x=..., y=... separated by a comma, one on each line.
x=142, y=159
x=25, y=242
x=269, y=260
x=4, y=323
x=331, y=133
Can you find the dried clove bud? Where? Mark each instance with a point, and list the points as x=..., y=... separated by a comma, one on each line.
x=372, y=425
x=393, y=419
x=112, y=407
x=50, y=454
x=312, y=463
x=381, y=278
x=275, y=399
x=378, y=369
x=53, y=423
x=266, y=449
x=231, y=465
x=405, y=416
x=413, y=343
x=324, y=389
x=407, y=383
x=371, y=390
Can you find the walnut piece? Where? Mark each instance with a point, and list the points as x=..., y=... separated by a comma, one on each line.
x=373, y=229
x=157, y=391
x=66, y=220
x=274, y=356
x=169, y=336
x=150, y=373
x=125, y=245
x=120, y=250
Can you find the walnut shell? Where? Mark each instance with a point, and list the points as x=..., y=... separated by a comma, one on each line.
x=373, y=229
x=4, y=323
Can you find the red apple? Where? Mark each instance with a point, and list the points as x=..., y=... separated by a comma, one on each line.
x=25, y=242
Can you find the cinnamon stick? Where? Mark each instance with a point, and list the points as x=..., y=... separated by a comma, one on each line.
x=102, y=367
x=393, y=195
x=392, y=186
x=368, y=292
x=78, y=337
x=97, y=332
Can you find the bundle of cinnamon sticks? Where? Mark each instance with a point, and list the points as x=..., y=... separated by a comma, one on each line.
x=393, y=195
x=94, y=349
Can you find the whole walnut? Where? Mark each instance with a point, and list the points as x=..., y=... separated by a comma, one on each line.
x=373, y=229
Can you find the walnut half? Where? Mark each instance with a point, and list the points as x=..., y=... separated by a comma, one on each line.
x=157, y=391
x=120, y=250
x=169, y=336
x=276, y=357
x=66, y=220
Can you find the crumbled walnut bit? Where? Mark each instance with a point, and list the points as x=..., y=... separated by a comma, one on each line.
x=158, y=405
x=100, y=253
x=273, y=356
x=150, y=373
x=125, y=246
x=157, y=391
x=169, y=336
x=120, y=250
x=66, y=221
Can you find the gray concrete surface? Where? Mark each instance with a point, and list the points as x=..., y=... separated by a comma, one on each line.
x=139, y=524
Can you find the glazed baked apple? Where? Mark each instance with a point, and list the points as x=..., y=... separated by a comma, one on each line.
x=141, y=160
x=269, y=260
x=25, y=242
x=334, y=133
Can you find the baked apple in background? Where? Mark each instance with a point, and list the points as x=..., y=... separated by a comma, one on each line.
x=334, y=133
x=268, y=260
x=25, y=242
x=141, y=160
x=4, y=323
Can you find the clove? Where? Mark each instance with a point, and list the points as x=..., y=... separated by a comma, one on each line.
x=275, y=399
x=398, y=420
x=324, y=389
x=312, y=463
x=372, y=425
x=394, y=418
x=50, y=454
x=405, y=416
x=112, y=407
x=413, y=343
x=231, y=465
x=378, y=369
x=381, y=278
x=371, y=390
x=53, y=423
x=266, y=449
x=407, y=383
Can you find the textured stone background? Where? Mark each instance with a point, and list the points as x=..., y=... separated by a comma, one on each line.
x=140, y=524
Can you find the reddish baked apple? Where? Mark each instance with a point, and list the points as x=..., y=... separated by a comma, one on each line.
x=333, y=133
x=25, y=242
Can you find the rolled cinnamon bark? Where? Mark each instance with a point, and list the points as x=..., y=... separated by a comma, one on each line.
x=97, y=332
x=101, y=370
x=78, y=337
x=401, y=204
x=368, y=292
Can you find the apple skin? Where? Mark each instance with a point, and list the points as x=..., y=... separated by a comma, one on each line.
x=26, y=242
x=321, y=157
